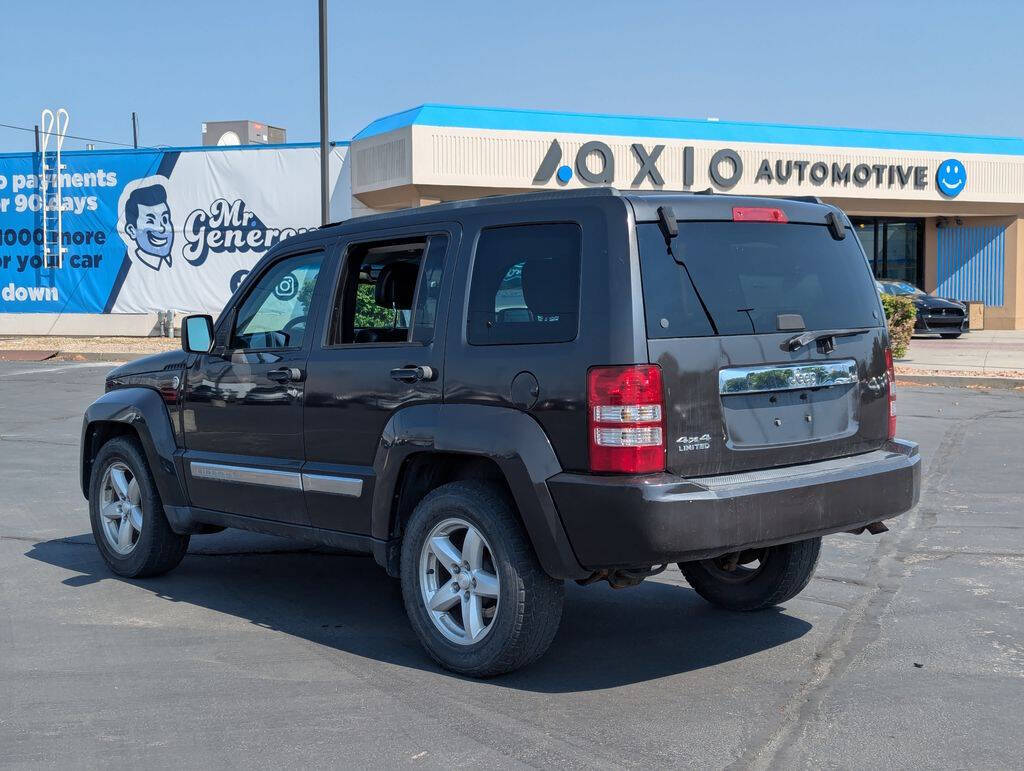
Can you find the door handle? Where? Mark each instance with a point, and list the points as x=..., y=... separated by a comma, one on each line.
x=413, y=373
x=286, y=375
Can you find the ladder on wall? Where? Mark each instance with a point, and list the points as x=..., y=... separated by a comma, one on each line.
x=54, y=127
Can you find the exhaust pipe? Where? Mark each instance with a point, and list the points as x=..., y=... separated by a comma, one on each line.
x=621, y=578
x=875, y=528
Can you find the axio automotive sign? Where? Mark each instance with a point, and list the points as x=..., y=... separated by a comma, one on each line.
x=147, y=231
x=594, y=163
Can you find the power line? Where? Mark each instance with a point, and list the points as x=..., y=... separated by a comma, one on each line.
x=68, y=136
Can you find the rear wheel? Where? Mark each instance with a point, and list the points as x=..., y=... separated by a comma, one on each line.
x=474, y=592
x=951, y=335
x=754, y=579
x=128, y=522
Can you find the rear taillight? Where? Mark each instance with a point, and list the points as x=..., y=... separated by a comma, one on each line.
x=890, y=371
x=758, y=214
x=627, y=419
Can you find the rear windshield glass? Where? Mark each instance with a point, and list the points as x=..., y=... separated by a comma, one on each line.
x=747, y=273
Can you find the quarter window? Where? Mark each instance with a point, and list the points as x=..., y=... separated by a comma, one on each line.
x=525, y=285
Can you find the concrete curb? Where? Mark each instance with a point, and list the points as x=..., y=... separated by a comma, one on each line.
x=29, y=355
x=954, y=381
x=72, y=356
x=98, y=356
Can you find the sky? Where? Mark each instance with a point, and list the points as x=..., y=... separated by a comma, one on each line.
x=944, y=66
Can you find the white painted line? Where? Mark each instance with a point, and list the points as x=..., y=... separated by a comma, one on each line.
x=108, y=364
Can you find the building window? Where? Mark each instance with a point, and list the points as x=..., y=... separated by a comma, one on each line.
x=895, y=248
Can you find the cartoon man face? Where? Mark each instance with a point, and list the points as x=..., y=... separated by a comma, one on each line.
x=148, y=223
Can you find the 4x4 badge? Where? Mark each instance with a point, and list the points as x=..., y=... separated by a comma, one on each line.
x=690, y=443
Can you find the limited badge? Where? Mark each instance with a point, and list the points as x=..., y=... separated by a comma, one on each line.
x=691, y=443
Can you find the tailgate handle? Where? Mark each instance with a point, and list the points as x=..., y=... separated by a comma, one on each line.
x=786, y=377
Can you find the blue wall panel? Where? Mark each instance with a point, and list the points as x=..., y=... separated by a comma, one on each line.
x=971, y=263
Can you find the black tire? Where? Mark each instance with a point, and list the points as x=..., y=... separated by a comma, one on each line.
x=529, y=604
x=782, y=573
x=157, y=548
x=950, y=335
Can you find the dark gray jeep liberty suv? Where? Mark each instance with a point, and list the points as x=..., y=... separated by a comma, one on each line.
x=493, y=397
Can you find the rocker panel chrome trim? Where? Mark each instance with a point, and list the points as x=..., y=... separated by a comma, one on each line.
x=322, y=483
x=291, y=480
x=217, y=472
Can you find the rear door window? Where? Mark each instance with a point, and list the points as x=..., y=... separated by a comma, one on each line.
x=747, y=274
x=390, y=292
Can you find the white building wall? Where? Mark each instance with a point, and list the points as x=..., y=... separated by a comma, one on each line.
x=496, y=159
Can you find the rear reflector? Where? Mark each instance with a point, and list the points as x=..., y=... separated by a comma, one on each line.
x=890, y=371
x=758, y=214
x=626, y=419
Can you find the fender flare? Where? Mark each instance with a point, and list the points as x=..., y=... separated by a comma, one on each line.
x=143, y=410
x=510, y=438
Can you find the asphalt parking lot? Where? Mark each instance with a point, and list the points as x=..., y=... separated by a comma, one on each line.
x=906, y=649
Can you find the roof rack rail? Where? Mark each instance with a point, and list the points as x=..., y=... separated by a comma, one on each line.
x=712, y=191
x=531, y=195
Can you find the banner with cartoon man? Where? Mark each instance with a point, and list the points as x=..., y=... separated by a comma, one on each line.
x=147, y=231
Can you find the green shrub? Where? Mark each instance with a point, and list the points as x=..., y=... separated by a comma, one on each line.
x=900, y=314
x=368, y=313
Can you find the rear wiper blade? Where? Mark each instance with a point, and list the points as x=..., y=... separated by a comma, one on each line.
x=670, y=229
x=799, y=341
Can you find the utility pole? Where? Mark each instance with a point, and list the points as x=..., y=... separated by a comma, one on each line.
x=135, y=131
x=325, y=155
x=37, y=138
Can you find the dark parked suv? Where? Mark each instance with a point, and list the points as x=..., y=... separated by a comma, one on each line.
x=495, y=396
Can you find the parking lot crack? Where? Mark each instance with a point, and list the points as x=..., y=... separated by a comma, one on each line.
x=32, y=440
x=861, y=624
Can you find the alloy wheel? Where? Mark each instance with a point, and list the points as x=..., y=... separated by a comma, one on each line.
x=120, y=508
x=459, y=582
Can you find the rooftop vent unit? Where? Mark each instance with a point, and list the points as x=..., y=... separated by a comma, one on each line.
x=241, y=132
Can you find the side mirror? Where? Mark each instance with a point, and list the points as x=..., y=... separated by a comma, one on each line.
x=197, y=334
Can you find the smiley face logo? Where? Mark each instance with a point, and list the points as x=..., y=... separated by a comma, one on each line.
x=950, y=177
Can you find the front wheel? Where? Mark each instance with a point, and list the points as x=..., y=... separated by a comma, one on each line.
x=128, y=521
x=754, y=579
x=474, y=592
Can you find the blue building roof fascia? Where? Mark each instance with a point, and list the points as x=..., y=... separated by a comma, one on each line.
x=455, y=116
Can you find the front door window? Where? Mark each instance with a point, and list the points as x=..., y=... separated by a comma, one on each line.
x=274, y=314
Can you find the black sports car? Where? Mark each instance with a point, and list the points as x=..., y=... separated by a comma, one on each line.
x=935, y=315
